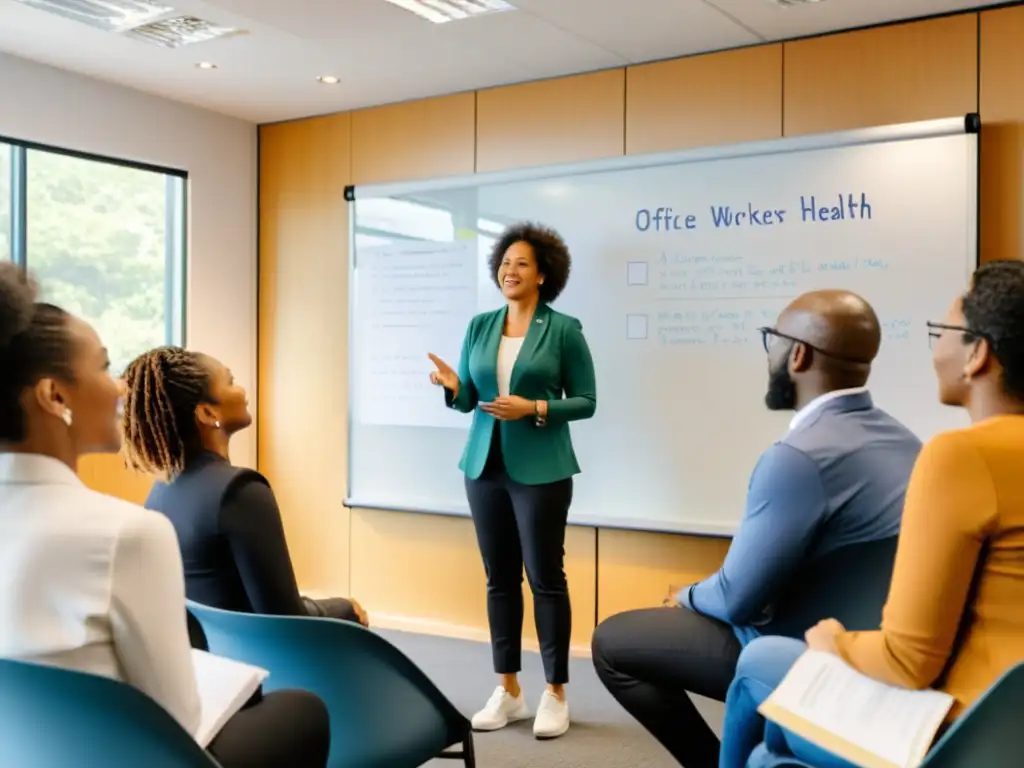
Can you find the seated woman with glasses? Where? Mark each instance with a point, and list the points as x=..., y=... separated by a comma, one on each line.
x=92, y=583
x=953, y=620
x=181, y=410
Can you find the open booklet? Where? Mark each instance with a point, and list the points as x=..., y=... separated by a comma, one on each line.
x=861, y=720
x=224, y=687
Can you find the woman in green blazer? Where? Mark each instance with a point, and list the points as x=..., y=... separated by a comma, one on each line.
x=525, y=372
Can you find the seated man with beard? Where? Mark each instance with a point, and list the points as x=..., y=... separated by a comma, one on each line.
x=838, y=477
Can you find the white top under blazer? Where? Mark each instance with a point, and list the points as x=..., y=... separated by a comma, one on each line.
x=92, y=583
x=508, y=352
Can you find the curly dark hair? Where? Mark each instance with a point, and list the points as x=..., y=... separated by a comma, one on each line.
x=34, y=344
x=994, y=308
x=550, y=250
x=164, y=388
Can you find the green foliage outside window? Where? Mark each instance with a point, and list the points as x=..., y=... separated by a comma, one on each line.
x=96, y=239
x=5, y=200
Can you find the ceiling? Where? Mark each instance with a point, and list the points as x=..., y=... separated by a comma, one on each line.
x=383, y=54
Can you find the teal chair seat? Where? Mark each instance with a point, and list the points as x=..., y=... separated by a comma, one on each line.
x=385, y=712
x=56, y=717
x=850, y=584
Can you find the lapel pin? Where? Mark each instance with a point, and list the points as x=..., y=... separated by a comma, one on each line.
x=540, y=320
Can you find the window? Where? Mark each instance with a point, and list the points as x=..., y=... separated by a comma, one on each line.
x=104, y=239
x=5, y=201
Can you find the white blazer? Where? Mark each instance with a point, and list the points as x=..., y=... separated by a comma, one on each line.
x=92, y=583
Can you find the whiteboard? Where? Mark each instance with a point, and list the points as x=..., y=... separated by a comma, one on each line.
x=677, y=260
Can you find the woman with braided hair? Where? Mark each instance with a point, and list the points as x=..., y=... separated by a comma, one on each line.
x=93, y=583
x=181, y=410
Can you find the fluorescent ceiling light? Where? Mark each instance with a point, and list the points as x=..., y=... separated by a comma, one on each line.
x=152, y=21
x=328, y=80
x=109, y=15
x=790, y=3
x=441, y=11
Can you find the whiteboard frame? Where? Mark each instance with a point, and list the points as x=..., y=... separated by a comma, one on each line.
x=952, y=126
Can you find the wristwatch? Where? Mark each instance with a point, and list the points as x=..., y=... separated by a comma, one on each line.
x=538, y=419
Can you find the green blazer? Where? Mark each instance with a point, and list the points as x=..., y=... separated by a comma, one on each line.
x=554, y=364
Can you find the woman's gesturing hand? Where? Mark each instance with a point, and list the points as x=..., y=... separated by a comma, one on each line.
x=445, y=376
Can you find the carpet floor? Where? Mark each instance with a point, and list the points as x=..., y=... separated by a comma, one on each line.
x=602, y=735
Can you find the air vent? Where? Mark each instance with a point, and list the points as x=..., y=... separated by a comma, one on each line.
x=181, y=31
x=441, y=11
x=147, y=20
x=108, y=15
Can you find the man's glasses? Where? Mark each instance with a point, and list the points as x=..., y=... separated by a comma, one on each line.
x=767, y=334
x=935, y=333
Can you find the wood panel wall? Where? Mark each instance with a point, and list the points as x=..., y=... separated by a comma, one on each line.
x=303, y=326
x=1001, y=96
x=423, y=571
x=107, y=473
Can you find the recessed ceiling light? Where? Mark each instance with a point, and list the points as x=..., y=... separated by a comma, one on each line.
x=441, y=11
x=206, y=65
x=328, y=80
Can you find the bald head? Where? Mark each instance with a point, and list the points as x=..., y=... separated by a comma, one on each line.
x=838, y=323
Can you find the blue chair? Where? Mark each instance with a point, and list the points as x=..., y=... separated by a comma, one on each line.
x=850, y=584
x=986, y=735
x=385, y=712
x=56, y=717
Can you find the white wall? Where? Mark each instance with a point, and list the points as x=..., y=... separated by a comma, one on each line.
x=50, y=106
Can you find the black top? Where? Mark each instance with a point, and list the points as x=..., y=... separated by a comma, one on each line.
x=231, y=538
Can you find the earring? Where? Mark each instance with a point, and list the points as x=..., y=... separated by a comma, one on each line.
x=65, y=416
x=216, y=424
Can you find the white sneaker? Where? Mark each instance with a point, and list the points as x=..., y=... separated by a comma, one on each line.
x=552, y=717
x=500, y=710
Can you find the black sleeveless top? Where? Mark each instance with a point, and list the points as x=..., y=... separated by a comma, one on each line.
x=231, y=537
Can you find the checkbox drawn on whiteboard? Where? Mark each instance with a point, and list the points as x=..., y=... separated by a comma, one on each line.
x=636, y=273
x=636, y=327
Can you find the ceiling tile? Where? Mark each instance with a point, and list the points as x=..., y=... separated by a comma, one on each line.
x=776, y=22
x=644, y=30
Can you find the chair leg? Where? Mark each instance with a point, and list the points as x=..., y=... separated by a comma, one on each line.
x=468, y=751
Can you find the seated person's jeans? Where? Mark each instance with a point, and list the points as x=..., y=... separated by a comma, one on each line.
x=747, y=740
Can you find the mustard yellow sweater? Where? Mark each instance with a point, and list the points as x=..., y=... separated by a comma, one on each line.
x=963, y=521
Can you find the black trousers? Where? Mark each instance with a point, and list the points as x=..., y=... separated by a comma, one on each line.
x=652, y=659
x=285, y=728
x=520, y=524
x=331, y=608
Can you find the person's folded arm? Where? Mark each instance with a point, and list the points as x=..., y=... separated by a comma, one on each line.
x=251, y=523
x=785, y=505
x=466, y=398
x=579, y=380
x=148, y=618
x=950, y=505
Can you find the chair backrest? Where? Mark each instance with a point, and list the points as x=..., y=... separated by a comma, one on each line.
x=850, y=584
x=366, y=682
x=55, y=717
x=986, y=735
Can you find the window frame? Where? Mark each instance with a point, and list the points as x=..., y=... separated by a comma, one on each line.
x=176, y=240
